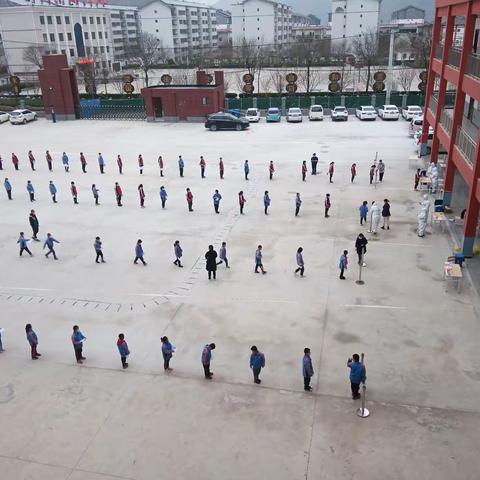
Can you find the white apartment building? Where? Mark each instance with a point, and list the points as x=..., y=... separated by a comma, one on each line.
x=125, y=22
x=353, y=18
x=264, y=22
x=186, y=29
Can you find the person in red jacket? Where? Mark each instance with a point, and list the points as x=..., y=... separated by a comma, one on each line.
x=241, y=201
x=15, y=161
x=353, y=170
x=221, y=167
x=141, y=194
x=120, y=164
x=160, y=165
x=83, y=162
x=73, y=189
x=328, y=204
x=140, y=164
x=304, y=170
x=189, y=200
x=331, y=170
x=31, y=158
x=49, y=160
x=202, y=167
x=118, y=194
x=271, y=169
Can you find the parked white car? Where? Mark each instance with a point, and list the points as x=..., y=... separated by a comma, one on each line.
x=366, y=112
x=339, y=113
x=294, y=114
x=253, y=115
x=4, y=117
x=22, y=116
x=315, y=112
x=416, y=125
x=411, y=111
x=388, y=112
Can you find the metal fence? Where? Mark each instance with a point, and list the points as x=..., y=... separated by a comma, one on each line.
x=473, y=65
x=99, y=109
x=454, y=56
x=466, y=145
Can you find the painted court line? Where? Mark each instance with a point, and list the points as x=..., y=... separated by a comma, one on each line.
x=391, y=307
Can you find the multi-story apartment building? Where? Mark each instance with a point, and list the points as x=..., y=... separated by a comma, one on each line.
x=264, y=22
x=353, y=18
x=457, y=131
x=125, y=22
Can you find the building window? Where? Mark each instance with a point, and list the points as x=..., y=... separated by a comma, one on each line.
x=94, y=36
x=45, y=37
x=60, y=37
x=49, y=20
x=156, y=30
x=42, y=20
x=91, y=20
x=99, y=20
x=156, y=21
x=86, y=35
x=360, y=25
x=63, y=51
x=67, y=20
x=100, y=35
x=59, y=20
x=154, y=11
x=204, y=100
x=102, y=49
x=52, y=37
x=108, y=49
x=84, y=20
x=95, y=50
x=72, y=52
x=106, y=34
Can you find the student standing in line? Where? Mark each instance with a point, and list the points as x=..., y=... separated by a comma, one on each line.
x=300, y=263
x=98, y=250
x=101, y=163
x=140, y=164
x=189, y=200
x=307, y=369
x=95, y=194
x=31, y=159
x=373, y=168
x=49, y=159
x=298, y=203
x=343, y=264
x=33, y=341
x=123, y=349
x=181, y=165
x=34, y=223
x=386, y=214
x=304, y=171
x=15, y=161
x=139, y=253
x=357, y=374
x=216, y=201
x=65, y=161
x=271, y=169
x=211, y=266
x=1, y=344
x=31, y=191
x=73, y=189
x=120, y=164
x=83, y=162
x=328, y=204
x=221, y=168
x=266, y=201
x=353, y=171
x=241, y=201
x=141, y=194
x=246, y=169
x=257, y=362
x=49, y=242
x=331, y=170
x=160, y=165
x=222, y=254
x=206, y=359
x=417, y=179
x=8, y=188
x=258, y=260
x=202, y=167
x=163, y=196
x=381, y=170
x=178, y=251
x=314, y=161
x=167, y=353
x=363, y=212
x=23, y=242
x=361, y=248
x=77, y=341
x=118, y=194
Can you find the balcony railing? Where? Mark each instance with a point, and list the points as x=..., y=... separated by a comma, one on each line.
x=446, y=119
x=433, y=104
x=439, y=51
x=466, y=144
x=473, y=65
x=454, y=56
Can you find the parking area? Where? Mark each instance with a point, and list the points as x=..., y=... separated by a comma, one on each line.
x=98, y=422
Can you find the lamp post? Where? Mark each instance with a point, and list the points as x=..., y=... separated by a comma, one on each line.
x=52, y=108
x=393, y=31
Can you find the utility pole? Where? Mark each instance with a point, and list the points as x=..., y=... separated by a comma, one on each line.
x=390, y=66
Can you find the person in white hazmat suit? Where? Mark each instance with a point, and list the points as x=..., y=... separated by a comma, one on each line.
x=434, y=177
x=423, y=216
x=375, y=216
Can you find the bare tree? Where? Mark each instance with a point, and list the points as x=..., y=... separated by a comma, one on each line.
x=183, y=76
x=278, y=81
x=406, y=76
x=421, y=44
x=366, y=51
x=33, y=54
x=147, y=54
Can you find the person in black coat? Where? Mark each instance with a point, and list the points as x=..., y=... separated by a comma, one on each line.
x=361, y=248
x=386, y=214
x=211, y=257
x=34, y=224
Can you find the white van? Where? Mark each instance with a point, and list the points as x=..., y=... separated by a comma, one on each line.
x=315, y=112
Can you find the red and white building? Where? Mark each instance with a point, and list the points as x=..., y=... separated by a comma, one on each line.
x=455, y=65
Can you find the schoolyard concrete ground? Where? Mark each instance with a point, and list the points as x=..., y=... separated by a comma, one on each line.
x=95, y=421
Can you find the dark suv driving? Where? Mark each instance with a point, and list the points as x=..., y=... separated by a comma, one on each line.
x=226, y=121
